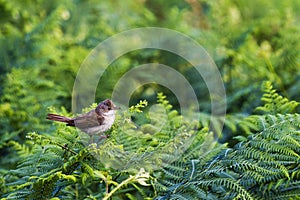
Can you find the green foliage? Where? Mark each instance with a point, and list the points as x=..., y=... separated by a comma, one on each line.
x=274, y=103
x=132, y=146
x=43, y=43
x=179, y=158
x=254, y=41
x=263, y=166
x=137, y=108
x=51, y=165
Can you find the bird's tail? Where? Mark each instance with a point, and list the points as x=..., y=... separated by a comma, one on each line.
x=59, y=118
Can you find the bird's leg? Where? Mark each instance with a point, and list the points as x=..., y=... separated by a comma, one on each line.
x=91, y=139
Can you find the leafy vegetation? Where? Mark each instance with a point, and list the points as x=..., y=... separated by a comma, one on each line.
x=265, y=165
x=152, y=152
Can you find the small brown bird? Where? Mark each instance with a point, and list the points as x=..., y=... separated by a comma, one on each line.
x=94, y=122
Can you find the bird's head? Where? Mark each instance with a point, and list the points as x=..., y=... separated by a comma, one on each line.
x=106, y=106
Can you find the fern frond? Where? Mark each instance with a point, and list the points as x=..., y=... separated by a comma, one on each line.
x=266, y=163
x=275, y=103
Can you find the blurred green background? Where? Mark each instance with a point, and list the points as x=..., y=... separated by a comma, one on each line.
x=43, y=43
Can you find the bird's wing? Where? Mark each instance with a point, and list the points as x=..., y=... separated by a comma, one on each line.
x=100, y=115
x=88, y=120
x=100, y=119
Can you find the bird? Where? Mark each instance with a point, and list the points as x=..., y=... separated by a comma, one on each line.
x=94, y=122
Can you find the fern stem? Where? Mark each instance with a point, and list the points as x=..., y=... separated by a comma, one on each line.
x=125, y=182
